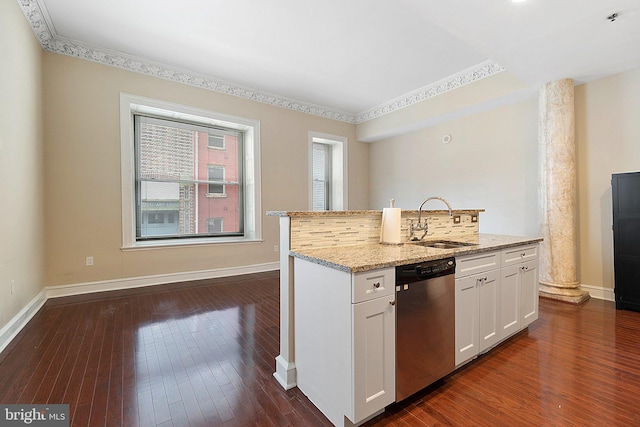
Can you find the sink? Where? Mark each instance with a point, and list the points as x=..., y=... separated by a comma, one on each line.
x=444, y=244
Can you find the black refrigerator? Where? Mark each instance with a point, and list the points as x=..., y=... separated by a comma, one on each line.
x=626, y=239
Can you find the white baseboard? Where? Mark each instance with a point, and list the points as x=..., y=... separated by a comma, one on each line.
x=15, y=325
x=599, y=292
x=19, y=321
x=160, y=279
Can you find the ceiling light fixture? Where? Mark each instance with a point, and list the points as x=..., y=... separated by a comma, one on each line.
x=612, y=17
x=518, y=1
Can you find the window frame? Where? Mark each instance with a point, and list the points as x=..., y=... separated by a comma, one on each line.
x=339, y=184
x=251, y=210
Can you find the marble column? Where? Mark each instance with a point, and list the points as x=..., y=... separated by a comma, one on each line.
x=557, y=193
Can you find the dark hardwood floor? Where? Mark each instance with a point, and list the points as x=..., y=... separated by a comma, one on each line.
x=202, y=354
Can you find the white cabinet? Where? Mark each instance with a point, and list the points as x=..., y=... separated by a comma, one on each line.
x=345, y=340
x=488, y=314
x=477, y=298
x=529, y=299
x=466, y=319
x=496, y=297
x=510, y=290
x=520, y=264
x=374, y=353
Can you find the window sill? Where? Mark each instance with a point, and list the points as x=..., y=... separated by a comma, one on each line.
x=216, y=195
x=163, y=244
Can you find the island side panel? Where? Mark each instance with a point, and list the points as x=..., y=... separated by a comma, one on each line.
x=323, y=337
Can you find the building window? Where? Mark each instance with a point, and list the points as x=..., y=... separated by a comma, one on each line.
x=175, y=190
x=215, y=141
x=155, y=217
x=215, y=225
x=328, y=174
x=216, y=181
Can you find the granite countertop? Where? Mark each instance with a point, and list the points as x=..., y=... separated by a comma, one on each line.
x=368, y=212
x=359, y=258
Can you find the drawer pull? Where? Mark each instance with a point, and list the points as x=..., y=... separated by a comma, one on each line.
x=392, y=302
x=376, y=285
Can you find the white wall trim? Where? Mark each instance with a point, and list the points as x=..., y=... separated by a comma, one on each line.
x=598, y=292
x=462, y=78
x=20, y=320
x=160, y=279
x=15, y=325
x=40, y=22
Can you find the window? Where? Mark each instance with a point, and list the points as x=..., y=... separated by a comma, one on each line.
x=155, y=217
x=178, y=191
x=321, y=194
x=216, y=174
x=215, y=225
x=216, y=141
x=328, y=175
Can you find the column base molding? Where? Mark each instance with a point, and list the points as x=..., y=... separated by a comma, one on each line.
x=285, y=373
x=565, y=293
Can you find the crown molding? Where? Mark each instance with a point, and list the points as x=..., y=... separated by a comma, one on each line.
x=454, y=81
x=37, y=16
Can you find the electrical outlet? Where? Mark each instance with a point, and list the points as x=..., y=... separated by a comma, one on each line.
x=88, y=260
x=275, y=248
x=13, y=285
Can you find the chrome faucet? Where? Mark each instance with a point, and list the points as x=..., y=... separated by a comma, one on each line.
x=424, y=227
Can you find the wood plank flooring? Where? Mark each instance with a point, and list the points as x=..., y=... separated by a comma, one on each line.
x=202, y=354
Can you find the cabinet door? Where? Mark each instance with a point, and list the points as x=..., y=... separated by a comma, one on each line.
x=466, y=318
x=529, y=288
x=488, y=304
x=510, y=305
x=374, y=356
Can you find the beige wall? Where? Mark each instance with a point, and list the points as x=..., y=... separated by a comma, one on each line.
x=83, y=201
x=488, y=93
x=608, y=141
x=490, y=163
x=21, y=195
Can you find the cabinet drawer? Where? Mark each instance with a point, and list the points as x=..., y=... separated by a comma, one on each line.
x=477, y=263
x=373, y=284
x=519, y=254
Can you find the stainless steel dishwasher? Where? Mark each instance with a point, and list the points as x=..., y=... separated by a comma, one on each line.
x=425, y=324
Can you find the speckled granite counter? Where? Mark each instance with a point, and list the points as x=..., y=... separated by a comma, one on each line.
x=358, y=258
x=303, y=214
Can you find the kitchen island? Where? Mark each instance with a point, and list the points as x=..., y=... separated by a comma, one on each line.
x=338, y=308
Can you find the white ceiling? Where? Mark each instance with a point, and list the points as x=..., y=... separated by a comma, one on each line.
x=344, y=56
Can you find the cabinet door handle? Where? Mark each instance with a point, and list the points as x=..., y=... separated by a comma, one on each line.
x=392, y=302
